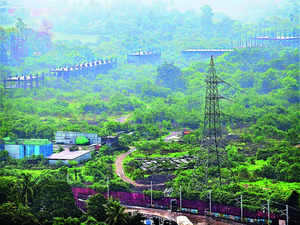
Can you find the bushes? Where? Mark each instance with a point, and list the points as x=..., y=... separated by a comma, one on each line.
x=243, y=173
x=293, y=172
x=96, y=207
x=74, y=148
x=281, y=170
x=155, y=194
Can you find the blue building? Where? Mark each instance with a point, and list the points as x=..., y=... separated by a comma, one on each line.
x=24, y=148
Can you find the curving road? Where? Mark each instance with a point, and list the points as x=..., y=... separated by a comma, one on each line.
x=167, y=214
x=120, y=170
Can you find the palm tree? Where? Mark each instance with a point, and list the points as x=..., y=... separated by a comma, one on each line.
x=115, y=213
x=25, y=188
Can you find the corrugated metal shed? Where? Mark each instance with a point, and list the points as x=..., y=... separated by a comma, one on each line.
x=22, y=148
x=67, y=155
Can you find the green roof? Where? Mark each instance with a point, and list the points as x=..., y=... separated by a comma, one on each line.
x=34, y=141
x=8, y=141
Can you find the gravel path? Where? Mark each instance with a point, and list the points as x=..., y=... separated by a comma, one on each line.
x=120, y=170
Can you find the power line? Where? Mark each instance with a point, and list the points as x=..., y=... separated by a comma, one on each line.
x=212, y=132
x=277, y=203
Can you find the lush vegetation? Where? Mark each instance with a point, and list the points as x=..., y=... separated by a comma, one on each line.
x=261, y=122
x=48, y=199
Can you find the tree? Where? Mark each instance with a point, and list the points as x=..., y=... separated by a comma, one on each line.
x=2, y=92
x=96, y=207
x=16, y=214
x=293, y=172
x=26, y=185
x=4, y=156
x=7, y=189
x=81, y=140
x=54, y=198
x=92, y=221
x=115, y=213
x=169, y=76
x=67, y=221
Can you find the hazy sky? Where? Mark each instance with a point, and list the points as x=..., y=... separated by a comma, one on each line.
x=236, y=9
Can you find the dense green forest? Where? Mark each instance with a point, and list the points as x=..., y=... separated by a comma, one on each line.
x=260, y=108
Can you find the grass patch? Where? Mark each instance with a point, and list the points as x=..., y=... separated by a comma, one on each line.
x=268, y=184
x=258, y=165
x=34, y=173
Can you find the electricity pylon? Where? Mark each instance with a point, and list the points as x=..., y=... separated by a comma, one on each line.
x=212, y=132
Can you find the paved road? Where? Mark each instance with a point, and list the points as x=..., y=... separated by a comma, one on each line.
x=167, y=214
x=120, y=170
x=154, y=212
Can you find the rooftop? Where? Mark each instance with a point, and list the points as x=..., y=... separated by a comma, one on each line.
x=72, y=133
x=10, y=141
x=67, y=155
x=145, y=53
x=278, y=38
x=208, y=50
x=21, y=78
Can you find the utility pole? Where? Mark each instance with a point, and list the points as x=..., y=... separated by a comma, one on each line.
x=241, y=207
x=210, y=202
x=180, y=196
x=268, y=202
x=151, y=195
x=107, y=187
x=287, y=214
x=212, y=132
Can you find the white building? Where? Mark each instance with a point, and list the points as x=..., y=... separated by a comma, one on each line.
x=66, y=156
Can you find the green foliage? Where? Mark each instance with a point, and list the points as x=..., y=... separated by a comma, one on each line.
x=74, y=148
x=115, y=213
x=155, y=194
x=81, y=140
x=158, y=99
x=7, y=189
x=54, y=198
x=67, y=221
x=169, y=76
x=96, y=207
x=16, y=214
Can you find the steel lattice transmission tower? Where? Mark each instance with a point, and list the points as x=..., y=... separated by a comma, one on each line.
x=212, y=132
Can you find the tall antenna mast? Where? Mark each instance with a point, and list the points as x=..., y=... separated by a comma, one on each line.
x=212, y=132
